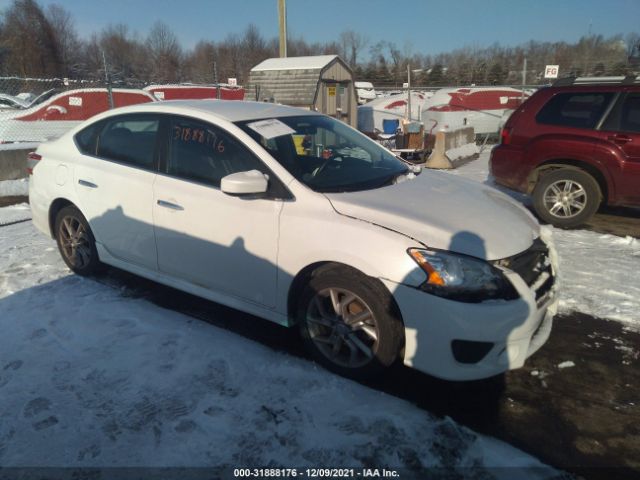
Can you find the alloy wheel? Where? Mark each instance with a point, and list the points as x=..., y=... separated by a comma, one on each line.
x=74, y=242
x=343, y=327
x=565, y=198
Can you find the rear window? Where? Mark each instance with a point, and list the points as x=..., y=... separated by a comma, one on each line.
x=129, y=139
x=86, y=138
x=578, y=110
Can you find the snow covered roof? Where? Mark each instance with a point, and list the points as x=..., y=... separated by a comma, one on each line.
x=316, y=62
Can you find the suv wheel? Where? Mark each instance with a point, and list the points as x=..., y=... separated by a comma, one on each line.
x=348, y=323
x=566, y=197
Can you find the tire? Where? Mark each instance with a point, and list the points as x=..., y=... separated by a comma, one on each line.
x=76, y=242
x=566, y=197
x=342, y=347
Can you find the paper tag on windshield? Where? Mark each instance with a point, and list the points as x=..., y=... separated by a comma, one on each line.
x=271, y=128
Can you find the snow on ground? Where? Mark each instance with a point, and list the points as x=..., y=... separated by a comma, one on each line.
x=13, y=188
x=91, y=378
x=19, y=146
x=15, y=213
x=598, y=272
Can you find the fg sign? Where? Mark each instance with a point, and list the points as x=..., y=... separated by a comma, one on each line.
x=551, y=71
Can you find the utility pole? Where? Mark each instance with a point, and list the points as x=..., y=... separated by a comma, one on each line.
x=282, y=20
x=215, y=79
x=524, y=77
x=107, y=79
x=408, y=92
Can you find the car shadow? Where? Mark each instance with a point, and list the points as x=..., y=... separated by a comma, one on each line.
x=474, y=403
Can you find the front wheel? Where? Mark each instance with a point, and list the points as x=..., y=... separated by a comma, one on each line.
x=75, y=241
x=566, y=197
x=349, y=323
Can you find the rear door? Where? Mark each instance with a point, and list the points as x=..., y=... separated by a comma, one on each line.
x=622, y=131
x=114, y=182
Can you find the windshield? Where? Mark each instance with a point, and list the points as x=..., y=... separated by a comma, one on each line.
x=326, y=154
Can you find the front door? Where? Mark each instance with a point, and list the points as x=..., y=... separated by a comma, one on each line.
x=213, y=240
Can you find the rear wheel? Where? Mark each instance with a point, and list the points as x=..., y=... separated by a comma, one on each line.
x=566, y=197
x=349, y=323
x=75, y=241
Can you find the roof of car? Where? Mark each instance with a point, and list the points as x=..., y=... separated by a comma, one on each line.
x=231, y=110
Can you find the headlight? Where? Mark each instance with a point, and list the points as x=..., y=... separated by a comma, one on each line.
x=461, y=278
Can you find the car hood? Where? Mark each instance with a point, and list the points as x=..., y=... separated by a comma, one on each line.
x=445, y=212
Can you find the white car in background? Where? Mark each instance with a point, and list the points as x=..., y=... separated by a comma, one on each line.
x=298, y=218
x=365, y=92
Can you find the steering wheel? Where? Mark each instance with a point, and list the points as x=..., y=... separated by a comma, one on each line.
x=329, y=154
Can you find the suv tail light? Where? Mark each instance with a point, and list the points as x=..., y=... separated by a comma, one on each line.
x=505, y=136
x=32, y=159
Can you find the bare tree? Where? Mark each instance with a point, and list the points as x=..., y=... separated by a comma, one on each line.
x=28, y=41
x=352, y=44
x=164, y=53
x=66, y=38
x=125, y=54
x=198, y=65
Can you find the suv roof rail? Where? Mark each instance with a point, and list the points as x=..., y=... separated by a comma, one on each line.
x=566, y=81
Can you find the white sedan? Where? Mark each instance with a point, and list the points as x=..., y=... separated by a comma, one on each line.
x=298, y=218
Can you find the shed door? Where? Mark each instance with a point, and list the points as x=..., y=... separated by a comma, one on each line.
x=336, y=100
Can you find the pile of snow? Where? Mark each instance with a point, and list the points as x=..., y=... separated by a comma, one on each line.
x=14, y=188
x=91, y=378
x=599, y=275
x=598, y=272
x=19, y=146
x=15, y=213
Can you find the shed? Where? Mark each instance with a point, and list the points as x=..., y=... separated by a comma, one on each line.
x=323, y=83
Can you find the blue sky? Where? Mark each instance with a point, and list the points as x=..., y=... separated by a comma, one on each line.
x=420, y=26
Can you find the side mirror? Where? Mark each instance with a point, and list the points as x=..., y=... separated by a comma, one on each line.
x=244, y=183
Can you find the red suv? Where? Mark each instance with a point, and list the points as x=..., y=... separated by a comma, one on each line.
x=574, y=146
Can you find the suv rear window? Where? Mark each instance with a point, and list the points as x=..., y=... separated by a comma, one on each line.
x=579, y=110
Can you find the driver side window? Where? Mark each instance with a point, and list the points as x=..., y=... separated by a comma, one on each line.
x=205, y=154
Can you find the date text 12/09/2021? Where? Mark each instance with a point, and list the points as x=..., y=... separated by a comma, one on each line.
x=315, y=473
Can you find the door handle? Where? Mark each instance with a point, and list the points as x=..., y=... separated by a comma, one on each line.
x=620, y=139
x=172, y=206
x=86, y=183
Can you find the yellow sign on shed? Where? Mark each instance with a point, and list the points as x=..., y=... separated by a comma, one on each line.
x=331, y=91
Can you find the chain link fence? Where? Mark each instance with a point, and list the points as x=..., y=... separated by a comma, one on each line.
x=39, y=109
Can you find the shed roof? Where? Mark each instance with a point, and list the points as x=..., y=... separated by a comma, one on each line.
x=316, y=62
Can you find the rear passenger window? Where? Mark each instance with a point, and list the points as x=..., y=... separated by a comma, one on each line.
x=86, y=138
x=579, y=110
x=129, y=139
x=204, y=153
